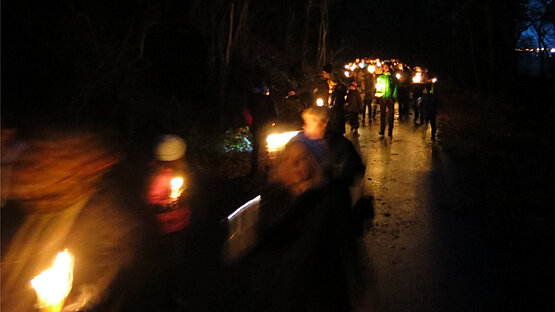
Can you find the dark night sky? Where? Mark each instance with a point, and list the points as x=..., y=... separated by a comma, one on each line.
x=50, y=56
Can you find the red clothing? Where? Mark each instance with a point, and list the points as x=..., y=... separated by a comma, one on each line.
x=174, y=213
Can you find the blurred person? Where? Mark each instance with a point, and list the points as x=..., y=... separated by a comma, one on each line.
x=168, y=200
x=387, y=95
x=429, y=104
x=168, y=185
x=263, y=113
x=70, y=188
x=297, y=264
x=315, y=121
x=354, y=105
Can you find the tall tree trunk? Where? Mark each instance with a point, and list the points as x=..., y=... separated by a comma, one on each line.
x=306, y=33
x=323, y=34
x=229, y=35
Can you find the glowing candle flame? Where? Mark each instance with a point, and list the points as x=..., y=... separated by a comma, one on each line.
x=176, y=184
x=277, y=141
x=417, y=78
x=54, y=284
x=320, y=102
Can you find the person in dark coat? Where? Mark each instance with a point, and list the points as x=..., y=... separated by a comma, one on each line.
x=317, y=89
x=337, y=106
x=298, y=261
x=429, y=104
x=354, y=105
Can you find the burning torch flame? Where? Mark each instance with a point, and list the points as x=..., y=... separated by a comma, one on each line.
x=320, y=102
x=54, y=284
x=417, y=78
x=277, y=141
x=176, y=184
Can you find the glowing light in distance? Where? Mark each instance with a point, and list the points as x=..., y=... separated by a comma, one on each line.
x=417, y=78
x=277, y=141
x=319, y=102
x=54, y=284
x=434, y=80
x=398, y=76
x=361, y=64
x=347, y=73
x=371, y=69
x=346, y=66
x=353, y=67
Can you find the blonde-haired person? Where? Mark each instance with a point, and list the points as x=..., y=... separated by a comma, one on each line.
x=315, y=122
x=292, y=269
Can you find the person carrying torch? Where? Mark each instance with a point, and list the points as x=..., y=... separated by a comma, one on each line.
x=75, y=238
x=386, y=91
x=168, y=199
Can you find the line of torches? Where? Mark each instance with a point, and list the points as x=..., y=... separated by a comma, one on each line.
x=373, y=65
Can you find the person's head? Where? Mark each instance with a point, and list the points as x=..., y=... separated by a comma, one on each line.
x=315, y=121
x=353, y=85
x=386, y=67
x=169, y=153
x=326, y=71
x=296, y=169
x=170, y=148
x=60, y=168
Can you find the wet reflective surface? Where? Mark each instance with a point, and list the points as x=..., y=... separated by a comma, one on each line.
x=421, y=253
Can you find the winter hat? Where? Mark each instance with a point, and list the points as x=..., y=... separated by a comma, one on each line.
x=170, y=147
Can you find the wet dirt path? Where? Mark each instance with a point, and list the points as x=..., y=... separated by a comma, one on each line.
x=421, y=252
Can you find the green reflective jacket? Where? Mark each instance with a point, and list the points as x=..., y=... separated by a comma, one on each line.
x=386, y=86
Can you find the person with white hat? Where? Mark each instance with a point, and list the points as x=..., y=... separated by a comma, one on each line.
x=168, y=184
